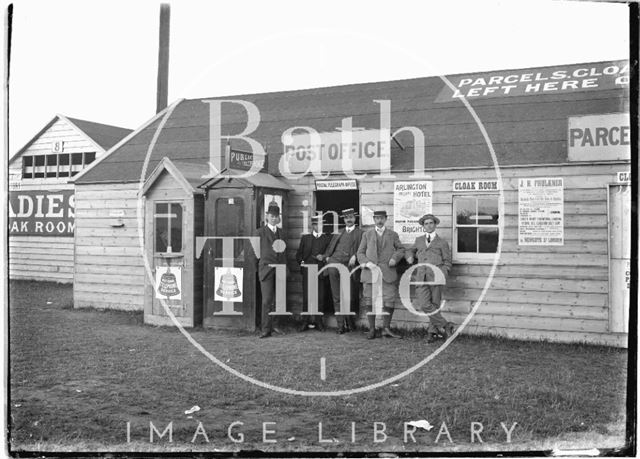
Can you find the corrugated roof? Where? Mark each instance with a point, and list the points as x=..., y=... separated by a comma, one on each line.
x=524, y=128
x=104, y=135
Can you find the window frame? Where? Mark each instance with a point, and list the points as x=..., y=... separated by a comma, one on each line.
x=169, y=202
x=29, y=171
x=471, y=257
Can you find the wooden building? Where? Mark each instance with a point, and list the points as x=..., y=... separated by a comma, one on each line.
x=528, y=173
x=41, y=199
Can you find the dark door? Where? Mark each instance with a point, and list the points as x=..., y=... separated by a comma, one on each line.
x=229, y=213
x=336, y=201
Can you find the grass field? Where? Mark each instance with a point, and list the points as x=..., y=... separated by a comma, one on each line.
x=78, y=378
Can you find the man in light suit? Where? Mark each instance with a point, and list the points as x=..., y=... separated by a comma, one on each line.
x=342, y=249
x=431, y=248
x=266, y=274
x=380, y=247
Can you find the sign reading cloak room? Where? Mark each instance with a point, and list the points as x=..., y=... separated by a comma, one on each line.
x=41, y=213
x=554, y=80
x=367, y=151
x=599, y=137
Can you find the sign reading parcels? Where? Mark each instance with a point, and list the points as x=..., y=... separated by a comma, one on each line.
x=41, y=213
x=367, y=151
x=603, y=75
x=599, y=137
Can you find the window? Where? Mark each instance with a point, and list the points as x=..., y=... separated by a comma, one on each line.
x=55, y=165
x=475, y=227
x=168, y=227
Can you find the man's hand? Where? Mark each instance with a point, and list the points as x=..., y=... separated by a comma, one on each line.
x=352, y=260
x=392, y=263
x=370, y=265
x=319, y=257
x=410, y=260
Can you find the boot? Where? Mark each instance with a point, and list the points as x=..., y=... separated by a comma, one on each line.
x=449, y=330
x=432, y=333
x=351, y=323
x=340, y=320
x=372, y=327
x=386, y=324
x=319, y=323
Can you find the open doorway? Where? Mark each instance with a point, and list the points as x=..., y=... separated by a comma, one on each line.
x=336, y=201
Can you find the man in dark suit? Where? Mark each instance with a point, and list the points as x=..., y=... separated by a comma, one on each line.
x=342, y=249
x=431, y=248
x=267, y=275
x=311, y=252
x=380, y=248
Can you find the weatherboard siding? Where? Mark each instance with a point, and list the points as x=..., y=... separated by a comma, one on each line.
x=560, y=293
x=109, y=269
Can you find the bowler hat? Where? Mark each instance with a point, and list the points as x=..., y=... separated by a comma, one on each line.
x=428, y=217
x=348, y=211
x=380, y=213
x=316, y=219
x=273, y=209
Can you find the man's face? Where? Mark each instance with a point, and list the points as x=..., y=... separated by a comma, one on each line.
x=273, y=219
x=314, y=226
x=349, y=220
x=379, y=220
x=429, y=226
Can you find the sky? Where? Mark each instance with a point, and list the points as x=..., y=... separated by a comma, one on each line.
x=97, y=60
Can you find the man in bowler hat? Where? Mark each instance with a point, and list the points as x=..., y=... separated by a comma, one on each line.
x=380, y=247
x=267, y=275
x=431, y=248
x=342, y=249
x=311, y=252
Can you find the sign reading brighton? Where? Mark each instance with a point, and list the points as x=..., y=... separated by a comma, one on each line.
x=41, y=213
x=411, y=200
x=603, y=75
x=540, y=211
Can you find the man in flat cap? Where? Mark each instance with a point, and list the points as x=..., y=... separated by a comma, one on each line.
x=311, y=252
x=381, y=248
x=342, y=249
x=431, y=248
x=266, y=274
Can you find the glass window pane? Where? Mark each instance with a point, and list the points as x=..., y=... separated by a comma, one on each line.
x=27, y=161
x=465, y=211
x=64, y=159
x=89, y=158
x=467, y=240
x=488, y=211
x=76, y=158
x=175, y=211
x=161, y=227
x=488, y=240
x=39, y=160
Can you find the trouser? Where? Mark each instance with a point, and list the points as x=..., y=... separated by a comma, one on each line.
x=322, y=286
x=389, y=297
x=429, y=298
x=268, y=292
x=354, y=306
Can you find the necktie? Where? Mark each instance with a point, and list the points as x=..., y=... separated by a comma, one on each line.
x=428, y=238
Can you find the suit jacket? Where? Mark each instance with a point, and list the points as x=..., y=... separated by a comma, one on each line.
x=391, y=249
x=336, y=237
x=304, y=250
x=438, y=254
x=267, y=254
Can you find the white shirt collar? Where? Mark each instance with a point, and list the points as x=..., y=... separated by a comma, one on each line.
x=349, y=229
x=380, y=231
x=272, y=227
x=432, y=235
x=316, y=234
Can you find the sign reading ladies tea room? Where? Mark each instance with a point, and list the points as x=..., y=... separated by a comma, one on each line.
x=540, y=211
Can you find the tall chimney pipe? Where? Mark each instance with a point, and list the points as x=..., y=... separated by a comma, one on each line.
x=163, y=58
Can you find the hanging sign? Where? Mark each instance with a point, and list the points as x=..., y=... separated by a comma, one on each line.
x=240, y=160
x=228, y=284
x=369, y=149
x=168, y=282
x=475, y=185
x=41, y=213
x=540, y=211
x=599, y=137
x=332, y=185
x=411, y=200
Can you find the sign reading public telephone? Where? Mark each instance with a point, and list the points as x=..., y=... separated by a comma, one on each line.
x=41, y=213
